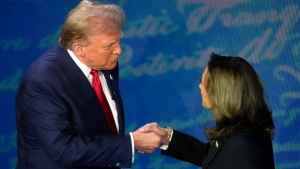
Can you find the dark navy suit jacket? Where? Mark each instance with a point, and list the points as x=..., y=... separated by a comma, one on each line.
x=242, y=150
x=60, y=123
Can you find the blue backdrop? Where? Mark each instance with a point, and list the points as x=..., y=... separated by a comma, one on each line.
x=166, y=46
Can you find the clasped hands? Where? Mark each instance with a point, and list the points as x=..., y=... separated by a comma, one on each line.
x=149, y=137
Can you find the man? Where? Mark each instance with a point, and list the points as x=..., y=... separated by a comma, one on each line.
x=61, y=120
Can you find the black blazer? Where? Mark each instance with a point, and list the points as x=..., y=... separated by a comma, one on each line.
x=240, y=151
x=60, y=122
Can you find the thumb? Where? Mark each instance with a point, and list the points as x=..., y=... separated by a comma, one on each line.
x=145, y=128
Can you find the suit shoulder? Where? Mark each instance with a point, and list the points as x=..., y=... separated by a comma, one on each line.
x=245, y=145
x=47, y=66
x=246, y=138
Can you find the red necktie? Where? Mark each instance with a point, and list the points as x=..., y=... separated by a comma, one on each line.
x=101, y=97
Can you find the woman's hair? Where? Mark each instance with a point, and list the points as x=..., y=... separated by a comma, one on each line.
x=90, y=18
x=237, y=96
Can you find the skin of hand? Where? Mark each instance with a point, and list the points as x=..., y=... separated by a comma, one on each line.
x=154, y=127
x=147, y=142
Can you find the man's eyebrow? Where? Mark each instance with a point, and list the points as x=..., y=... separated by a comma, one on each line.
x=111, y=43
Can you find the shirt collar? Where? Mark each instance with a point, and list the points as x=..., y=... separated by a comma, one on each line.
x=84, y=68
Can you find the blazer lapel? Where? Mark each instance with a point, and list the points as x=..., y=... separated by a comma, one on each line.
x=112, y=81
x=215, y=148
x=84, y=91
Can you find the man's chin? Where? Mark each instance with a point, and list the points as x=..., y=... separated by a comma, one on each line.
x=112, y=66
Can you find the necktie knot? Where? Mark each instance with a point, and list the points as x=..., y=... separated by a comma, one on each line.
x=94, y=73
x=96, y=80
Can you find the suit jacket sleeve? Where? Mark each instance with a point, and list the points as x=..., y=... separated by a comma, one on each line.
x=187, y=148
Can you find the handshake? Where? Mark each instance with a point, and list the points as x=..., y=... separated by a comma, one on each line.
x=151, y=136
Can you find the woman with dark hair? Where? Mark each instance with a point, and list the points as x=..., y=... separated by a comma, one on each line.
x=244, y=129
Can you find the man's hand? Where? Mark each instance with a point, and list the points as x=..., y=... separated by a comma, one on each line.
x=154, y=127
x=146, y=141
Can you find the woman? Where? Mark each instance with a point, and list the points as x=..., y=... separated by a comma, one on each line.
x=244, y=129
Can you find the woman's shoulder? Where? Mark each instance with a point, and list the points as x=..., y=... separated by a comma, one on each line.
x=248, y=139
x=257, y=149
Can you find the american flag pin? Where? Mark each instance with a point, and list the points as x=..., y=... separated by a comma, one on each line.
x=111, y=78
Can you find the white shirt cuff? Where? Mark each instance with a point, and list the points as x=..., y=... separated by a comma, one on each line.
x=165, y=147
x=132, y=145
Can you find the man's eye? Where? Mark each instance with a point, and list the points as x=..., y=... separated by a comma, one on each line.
x=108, y=47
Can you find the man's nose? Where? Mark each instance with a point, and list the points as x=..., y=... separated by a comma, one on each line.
x=118, y=49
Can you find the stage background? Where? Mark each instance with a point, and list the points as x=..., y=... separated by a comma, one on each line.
x=166, y=46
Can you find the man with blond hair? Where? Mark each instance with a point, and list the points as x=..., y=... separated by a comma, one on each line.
x=64, y=118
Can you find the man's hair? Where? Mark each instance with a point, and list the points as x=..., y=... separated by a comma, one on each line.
x=90, y=18
x=237, y=95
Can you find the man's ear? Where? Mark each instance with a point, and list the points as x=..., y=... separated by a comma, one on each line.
x=78, y=50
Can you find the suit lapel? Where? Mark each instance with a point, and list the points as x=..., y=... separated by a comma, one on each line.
x=215, y=148
x=111, y=77
x=84, y=91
